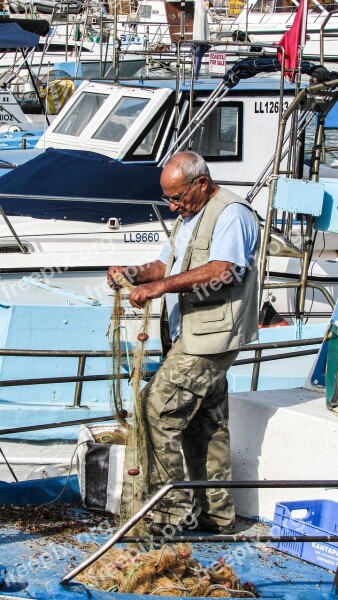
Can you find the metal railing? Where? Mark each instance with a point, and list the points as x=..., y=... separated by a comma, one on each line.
x=80, y=377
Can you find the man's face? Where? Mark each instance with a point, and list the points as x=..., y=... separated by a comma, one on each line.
x=185, y=197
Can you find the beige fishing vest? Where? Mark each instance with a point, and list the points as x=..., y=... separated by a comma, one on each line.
x=222, y=319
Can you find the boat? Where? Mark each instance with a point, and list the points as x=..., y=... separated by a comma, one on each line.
x=59, y=276
x=100, y=43
x=62, y=535
x=44, y=7
x=136, y=124
x=67, y=38
x=269, y=20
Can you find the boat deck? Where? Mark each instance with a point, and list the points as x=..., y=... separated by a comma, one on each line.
x=41, y=544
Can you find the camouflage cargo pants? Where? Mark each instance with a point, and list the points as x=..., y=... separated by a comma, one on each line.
x=186, y=411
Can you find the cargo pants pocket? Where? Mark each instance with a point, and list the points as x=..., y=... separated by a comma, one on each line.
x=181, y=397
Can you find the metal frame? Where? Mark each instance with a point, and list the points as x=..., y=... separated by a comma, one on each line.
x=307, y=96
x=313, y=91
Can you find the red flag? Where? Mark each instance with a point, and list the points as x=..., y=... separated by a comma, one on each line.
x=292, y=39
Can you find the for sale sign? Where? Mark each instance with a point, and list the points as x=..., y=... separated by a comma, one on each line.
x=217, y=62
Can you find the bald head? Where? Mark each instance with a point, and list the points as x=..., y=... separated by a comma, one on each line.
x=187, y=164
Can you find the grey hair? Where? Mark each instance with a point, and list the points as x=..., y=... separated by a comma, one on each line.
x=190, y=164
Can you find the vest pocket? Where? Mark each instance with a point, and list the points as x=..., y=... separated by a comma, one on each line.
x=199, y=253
x=212, y=320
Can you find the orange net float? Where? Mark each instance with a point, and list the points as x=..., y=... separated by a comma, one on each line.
x=133, y=472
x=142, y=337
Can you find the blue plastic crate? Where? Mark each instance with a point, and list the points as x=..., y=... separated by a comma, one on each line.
x=308, y=517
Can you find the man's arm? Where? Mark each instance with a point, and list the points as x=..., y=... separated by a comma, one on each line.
x=137, y=274
x=215, y=274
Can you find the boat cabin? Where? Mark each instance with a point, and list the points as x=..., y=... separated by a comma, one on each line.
x=139, y=123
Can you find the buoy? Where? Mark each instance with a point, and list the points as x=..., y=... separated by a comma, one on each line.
x=142, y=337
x=134, y=472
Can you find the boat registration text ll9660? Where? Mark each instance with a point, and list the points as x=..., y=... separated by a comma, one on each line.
x=137, y=237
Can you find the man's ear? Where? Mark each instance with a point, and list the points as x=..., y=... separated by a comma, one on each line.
x=203, y=181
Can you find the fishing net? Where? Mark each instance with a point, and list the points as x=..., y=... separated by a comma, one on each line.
x=169, y=571
x=136, y=463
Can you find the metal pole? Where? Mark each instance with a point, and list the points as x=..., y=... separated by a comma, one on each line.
x=13, y=232
x=45, y=380
x=44, y=108
x=255, y=371
x=147, y=46
x=10, y=431
x=81, y=199
x=310, y=284
x=79, y=383
x=118, y=535
x=145, y=375
x=106, y=353
x=67, y=33
x=161, y=220
x=9, y=466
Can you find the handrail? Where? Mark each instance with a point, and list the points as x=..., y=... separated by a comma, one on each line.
x=321, y=34
x=80, y=199
x=82, y=355
x=106, y=353
x=108, y=376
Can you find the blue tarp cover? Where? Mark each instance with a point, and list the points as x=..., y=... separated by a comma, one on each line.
x=36, y=561
x=79, y=173
x=40, y=491
x=13, y=36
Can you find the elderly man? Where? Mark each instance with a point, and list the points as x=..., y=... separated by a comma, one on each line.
x=207, y=275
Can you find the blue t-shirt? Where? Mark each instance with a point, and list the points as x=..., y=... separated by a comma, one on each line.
x=234, y=240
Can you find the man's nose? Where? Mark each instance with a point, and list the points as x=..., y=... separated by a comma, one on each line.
x=173, y=206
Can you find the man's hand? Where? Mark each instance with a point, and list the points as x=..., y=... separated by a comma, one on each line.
x=146, y=291
x=113, y=271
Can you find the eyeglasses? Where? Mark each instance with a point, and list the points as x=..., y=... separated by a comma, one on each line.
x=178, y=199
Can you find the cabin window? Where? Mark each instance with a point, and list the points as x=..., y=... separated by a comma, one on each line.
x=147, y=146
x=120, y=119
x=83, y=110
x=273, y=6
x=221, y=135
x=144, y=11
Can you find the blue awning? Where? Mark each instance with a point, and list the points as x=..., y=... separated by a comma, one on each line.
x=83, y=174
x=13, y=36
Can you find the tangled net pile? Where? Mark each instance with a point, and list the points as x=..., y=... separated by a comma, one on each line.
x=170, y=571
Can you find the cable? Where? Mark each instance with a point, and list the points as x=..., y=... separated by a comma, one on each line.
x=311, y=270
x=68, y=476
